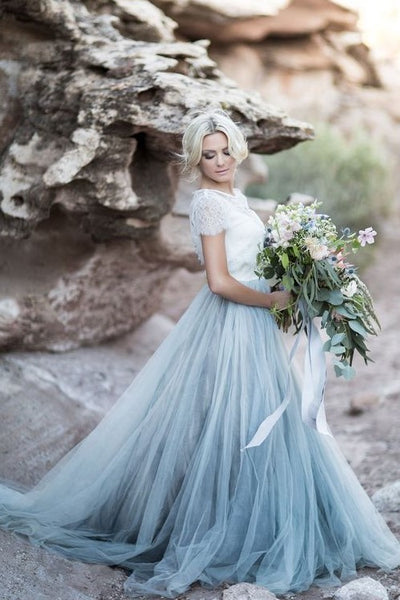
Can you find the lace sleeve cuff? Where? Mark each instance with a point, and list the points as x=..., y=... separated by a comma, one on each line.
x=208, y=215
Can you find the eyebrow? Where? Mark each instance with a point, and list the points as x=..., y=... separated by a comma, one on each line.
x=210, y=150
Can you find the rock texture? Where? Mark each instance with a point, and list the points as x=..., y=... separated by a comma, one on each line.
x=96, y=96
x=247, y=591
x=365, y=588
x=387, y=499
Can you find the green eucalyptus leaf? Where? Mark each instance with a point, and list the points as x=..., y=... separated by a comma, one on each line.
x=348, y=372
x=337, y=349
x=347, y=343
x=318, y=308
x=323, y=294
x=338, y=369
x=356, y=326
x=327, y=346
x=341, y=310
x=338, y=338
x=336, y=297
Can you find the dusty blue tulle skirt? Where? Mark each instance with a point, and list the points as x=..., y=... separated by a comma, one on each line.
x=163, y=488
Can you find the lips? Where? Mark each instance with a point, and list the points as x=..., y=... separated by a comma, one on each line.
x=222, y=172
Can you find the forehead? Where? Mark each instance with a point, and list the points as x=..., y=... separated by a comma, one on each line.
x=215, y=141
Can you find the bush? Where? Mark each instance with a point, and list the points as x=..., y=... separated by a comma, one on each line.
x=351, y=178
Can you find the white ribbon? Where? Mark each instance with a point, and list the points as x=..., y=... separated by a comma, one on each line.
x=312, y=398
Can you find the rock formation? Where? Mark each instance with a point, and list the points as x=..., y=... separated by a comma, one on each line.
x=288, y=51
x=95, y=98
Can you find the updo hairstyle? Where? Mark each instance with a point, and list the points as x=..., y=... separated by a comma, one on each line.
x=207, y=123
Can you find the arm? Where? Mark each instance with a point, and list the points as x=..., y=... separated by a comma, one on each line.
x=222, y=283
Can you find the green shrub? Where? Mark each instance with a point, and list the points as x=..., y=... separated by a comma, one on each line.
x=351, y=178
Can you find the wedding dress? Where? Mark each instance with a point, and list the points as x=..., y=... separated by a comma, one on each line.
x=163, y=485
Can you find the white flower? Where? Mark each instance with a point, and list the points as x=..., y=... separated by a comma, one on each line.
x=317, y=250
x=284, y=229
x=350, y=289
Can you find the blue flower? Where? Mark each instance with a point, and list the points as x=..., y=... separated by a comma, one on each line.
x=309, y=225
x=268, y=240
x=350, y=270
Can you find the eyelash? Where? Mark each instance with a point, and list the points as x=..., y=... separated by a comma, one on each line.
x=226, y=152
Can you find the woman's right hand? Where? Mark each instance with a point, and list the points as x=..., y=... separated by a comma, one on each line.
x=280, y=299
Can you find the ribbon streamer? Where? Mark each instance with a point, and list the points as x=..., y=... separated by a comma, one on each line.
x=312, y=398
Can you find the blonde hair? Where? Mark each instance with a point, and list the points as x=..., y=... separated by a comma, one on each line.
x=207, y=123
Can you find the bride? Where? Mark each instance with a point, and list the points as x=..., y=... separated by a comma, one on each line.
x=164, y=486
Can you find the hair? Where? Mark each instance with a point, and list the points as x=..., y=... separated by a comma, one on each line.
x=206, y=123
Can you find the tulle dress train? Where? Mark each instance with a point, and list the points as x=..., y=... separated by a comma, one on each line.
x=163, y=486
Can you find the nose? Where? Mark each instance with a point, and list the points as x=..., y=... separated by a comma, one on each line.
x=220, y=159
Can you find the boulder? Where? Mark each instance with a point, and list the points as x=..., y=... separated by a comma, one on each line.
x=362, y=402
x=247, y=591
x=387, y=499
x=365, y=588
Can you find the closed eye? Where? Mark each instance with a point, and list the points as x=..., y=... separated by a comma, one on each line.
x=210, y=156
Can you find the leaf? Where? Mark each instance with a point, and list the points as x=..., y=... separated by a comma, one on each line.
x=341, y=310
x=287, y=282
x=327, y=346
x=347, y=343
x=351, y=308
x=337, y=349
x=268, y=272
x=348, y=372
x=338, y=369
x=311, y=290
x=317, y=308
x=338, y=338
x=285, y=260
x=356, y=326
x=323, y=294
x=335, y=297
x=324, y=318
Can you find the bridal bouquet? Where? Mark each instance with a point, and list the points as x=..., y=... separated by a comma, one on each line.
x=304, y=253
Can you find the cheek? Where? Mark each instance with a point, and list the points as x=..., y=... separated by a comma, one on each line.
x=232, y=162
x=205, y=165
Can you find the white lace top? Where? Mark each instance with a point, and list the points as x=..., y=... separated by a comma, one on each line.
x=213, y=212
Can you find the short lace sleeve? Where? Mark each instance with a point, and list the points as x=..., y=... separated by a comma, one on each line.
x=207, y=217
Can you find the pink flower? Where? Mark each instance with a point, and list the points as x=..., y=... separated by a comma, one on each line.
x=366, y=236
x=341, y=264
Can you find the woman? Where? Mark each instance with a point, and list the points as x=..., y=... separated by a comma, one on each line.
x=164, y=485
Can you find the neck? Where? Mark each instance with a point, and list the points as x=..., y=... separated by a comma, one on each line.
x=226, y=187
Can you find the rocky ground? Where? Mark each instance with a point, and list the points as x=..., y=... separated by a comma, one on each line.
x=49, y=401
